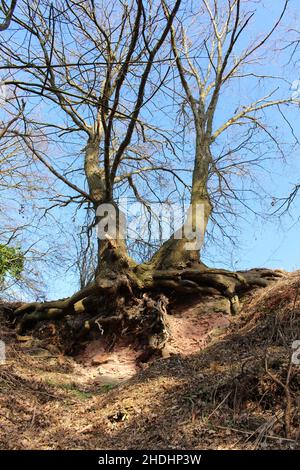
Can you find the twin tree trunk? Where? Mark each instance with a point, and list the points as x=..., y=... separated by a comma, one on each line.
x=111, y=252
x=183, y=248
x=131, y=297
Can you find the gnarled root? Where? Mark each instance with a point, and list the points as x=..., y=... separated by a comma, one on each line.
x=135, y=304
x=87, y=299
x=205, y=281
x=108, y=306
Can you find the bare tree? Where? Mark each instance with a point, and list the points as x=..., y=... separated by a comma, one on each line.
x=99, y=87
x=282, y=205
x=100, y=95
x=100, y=67
x=22, y=188
x=204, y=82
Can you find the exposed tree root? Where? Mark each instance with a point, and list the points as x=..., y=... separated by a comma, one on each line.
x=204, y=281
x=87, y=299
x=135, y=303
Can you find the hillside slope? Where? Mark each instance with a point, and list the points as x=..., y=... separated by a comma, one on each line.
x=228, y=383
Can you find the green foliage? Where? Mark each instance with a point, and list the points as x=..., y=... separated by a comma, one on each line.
x=108, y=387
x=11, y=262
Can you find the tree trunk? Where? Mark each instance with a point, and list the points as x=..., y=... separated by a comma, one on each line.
x=94, y=174
x=183, y=248
x=130, y=298
x=111, y=247
x=112, y=250
x=199, y=194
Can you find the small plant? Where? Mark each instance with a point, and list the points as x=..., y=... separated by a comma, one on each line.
x=107, y=387
x=81, y=394
x=11, y=262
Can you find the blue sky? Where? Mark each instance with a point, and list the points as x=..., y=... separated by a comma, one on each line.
x=273, y=241
x=263, y=240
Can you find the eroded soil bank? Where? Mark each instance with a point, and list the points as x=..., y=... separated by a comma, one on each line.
x=222, y=382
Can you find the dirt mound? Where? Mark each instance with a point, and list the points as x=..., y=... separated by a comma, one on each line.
x=240, y=392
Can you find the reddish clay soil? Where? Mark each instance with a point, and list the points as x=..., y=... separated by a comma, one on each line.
x=112, y=367
x=192, y=327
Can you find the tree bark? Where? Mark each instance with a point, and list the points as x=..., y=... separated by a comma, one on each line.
x=94, y=174
x=131, y=297
x=183, y=248
x=112, y=253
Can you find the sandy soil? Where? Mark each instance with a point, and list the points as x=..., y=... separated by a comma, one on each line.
x=192, y=327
